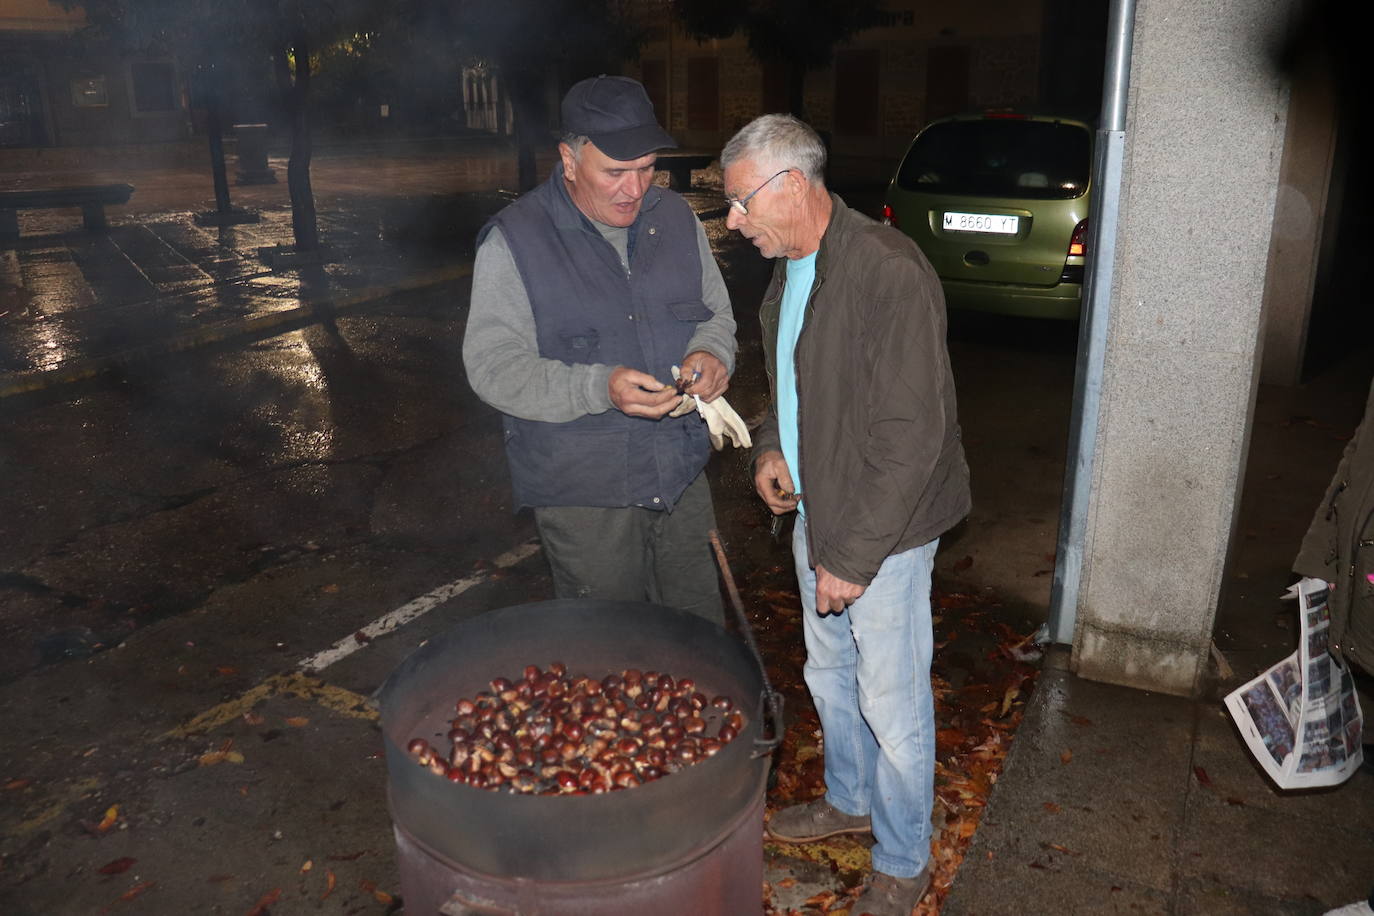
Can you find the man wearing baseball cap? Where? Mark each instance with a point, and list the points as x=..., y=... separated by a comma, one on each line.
x=586, y=293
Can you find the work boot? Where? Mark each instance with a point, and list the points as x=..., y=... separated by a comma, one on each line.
x=815, y=821
x=885, y=895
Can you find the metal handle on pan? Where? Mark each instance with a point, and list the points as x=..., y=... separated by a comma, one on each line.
x=770, y=700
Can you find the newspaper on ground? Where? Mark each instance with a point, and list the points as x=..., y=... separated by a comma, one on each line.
x=1301, y=718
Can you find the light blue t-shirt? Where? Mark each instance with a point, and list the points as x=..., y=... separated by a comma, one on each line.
x=801, y=274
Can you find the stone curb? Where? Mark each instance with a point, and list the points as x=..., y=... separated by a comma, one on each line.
x=259, y=327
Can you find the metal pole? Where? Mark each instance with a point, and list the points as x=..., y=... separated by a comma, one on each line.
x=1096, y=320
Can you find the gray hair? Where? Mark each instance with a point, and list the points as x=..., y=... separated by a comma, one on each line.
x=778, y=141
x=575, y=143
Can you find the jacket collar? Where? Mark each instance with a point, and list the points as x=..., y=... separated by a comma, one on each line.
x=836, y=231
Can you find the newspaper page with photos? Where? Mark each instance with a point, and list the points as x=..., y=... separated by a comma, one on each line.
x=1301, y=718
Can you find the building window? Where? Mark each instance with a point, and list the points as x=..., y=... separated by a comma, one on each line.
x=703, y=93
x=89, y=92
x=856, y=93
x=154, y=87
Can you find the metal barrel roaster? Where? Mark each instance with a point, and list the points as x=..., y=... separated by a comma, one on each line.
x=688, y=843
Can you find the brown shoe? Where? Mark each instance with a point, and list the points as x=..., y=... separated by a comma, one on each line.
x=815, y=821
x=885, y=895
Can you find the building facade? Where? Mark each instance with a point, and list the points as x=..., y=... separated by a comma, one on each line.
x=62, y=86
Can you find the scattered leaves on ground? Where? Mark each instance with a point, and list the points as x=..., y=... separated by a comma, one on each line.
x=981, y=670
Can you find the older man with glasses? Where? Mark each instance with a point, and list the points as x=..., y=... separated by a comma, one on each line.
x=863, y=443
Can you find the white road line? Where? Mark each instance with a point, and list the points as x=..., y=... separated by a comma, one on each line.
x=411, y=610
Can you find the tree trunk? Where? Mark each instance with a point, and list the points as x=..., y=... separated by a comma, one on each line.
x=215, y=130
x=304, y=226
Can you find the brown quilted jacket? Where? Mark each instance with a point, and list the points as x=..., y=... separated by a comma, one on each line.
x=882, y=464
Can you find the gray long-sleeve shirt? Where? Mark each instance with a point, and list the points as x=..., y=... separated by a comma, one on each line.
x=501, y=349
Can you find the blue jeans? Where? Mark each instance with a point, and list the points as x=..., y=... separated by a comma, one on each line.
x=868, y=670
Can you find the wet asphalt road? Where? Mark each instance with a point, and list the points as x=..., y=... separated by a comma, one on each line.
x=175, y=541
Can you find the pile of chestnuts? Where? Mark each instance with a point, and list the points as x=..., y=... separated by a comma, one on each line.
x=551, y=733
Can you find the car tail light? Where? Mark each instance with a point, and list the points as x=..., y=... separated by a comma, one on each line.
x=1078, y=242
x=890, y=217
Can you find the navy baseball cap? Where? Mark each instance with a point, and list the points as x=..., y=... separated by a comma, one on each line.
x=615, y=113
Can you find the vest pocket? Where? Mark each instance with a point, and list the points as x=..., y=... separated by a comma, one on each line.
x=690, y=310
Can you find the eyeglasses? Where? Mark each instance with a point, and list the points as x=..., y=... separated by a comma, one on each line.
x=740, y=204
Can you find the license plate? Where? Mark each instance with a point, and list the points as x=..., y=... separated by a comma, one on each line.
x=995, y=223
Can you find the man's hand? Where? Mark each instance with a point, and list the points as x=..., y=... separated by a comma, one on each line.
x=714, y=379
x=834, y=594
x=773, y=481
x=639, y=394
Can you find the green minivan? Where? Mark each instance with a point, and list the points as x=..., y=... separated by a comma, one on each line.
x=998, y=202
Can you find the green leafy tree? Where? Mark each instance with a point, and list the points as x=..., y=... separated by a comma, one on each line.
x=528, y=42
x=801, y=35
x=214, y=36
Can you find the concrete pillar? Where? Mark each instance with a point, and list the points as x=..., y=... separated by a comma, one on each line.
x=1205, y=135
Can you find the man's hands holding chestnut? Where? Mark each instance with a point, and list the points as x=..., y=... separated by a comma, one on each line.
x=639, y=394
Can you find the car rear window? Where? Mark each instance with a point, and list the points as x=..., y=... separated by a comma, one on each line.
x=1042, y=160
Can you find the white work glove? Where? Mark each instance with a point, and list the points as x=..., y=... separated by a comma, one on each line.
x=721, y=420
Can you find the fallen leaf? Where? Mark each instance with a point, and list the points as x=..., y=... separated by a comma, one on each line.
x=1232, y=800
x=136, y=890
x=117, y=867
x=1051, y=807
x=309, y=864
x=1008, y=698
x=253, y=718
x=16, y=784
x=362, y=637
x=787, y=882
x=370, y=887
x=822, y=899
x=265, y=901
x=329, y=882
x=1057, y=848
x=210, y=758
x=297, y=721
x=1203, y=779
x=226, y=670
x=1066, y=756
x=330, y=589
x=111, y=816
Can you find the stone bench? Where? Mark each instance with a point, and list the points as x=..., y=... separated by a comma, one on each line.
x=679, y=166
x=92, y=199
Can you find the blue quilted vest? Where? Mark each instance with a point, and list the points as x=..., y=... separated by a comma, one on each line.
x=589, y=309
